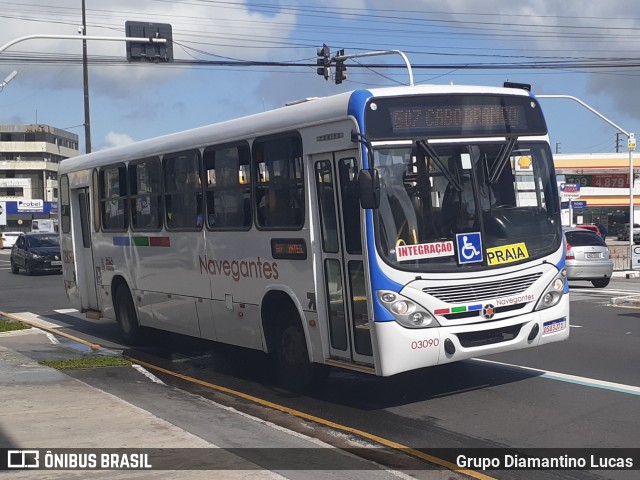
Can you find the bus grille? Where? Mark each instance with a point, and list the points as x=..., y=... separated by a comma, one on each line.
x=478, y=292
x=488, y=337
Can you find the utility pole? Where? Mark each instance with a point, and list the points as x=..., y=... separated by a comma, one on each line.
x=618, y=142
x=85, y=81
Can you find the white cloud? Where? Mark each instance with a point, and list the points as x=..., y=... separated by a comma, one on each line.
x=200, y=31
x=114, y=139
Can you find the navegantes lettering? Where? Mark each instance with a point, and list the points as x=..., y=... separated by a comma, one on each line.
x=239, y=269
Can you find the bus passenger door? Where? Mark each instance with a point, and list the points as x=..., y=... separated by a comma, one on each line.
x=343, y=267
x=81, y=223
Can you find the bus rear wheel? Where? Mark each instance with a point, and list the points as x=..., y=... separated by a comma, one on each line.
x=294, y=368
x=126, y=316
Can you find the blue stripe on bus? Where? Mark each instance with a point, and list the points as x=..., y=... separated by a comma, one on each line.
x=121, y=241
x=379, y=281
x=357, y=102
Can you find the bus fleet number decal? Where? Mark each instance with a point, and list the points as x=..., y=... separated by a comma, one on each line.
x=419, y=344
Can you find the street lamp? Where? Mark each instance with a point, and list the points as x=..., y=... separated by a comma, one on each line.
x=7, y=79
x=631, y=144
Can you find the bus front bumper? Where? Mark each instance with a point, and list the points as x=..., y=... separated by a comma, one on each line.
x=401, y=349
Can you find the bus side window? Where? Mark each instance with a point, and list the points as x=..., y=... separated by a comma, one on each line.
x=278, y=173
x=113, y=197
x=146, y=199
x=228, y=189
x=183, y=190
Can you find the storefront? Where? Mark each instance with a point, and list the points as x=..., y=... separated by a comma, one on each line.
x=603, y=181
x=20, y=214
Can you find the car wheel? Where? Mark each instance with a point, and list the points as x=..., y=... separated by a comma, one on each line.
x=601, y=282
x=14, y=267
x=28, y=269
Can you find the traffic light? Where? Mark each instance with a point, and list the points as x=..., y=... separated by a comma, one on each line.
x=324, y=61
x=340, y=69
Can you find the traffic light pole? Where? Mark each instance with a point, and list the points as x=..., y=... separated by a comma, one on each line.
x=342, y=58
x=80, y=37
x=631, y=144
x=84, y=39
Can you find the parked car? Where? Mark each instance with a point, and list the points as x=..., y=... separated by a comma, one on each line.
x=587, y=257
x=36, y=252
x=623, y=232
x=9, y=238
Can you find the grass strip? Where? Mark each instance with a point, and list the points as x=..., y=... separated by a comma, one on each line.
x=11, y=326
x=86, y=362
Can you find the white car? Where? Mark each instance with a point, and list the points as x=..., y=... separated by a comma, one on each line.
x=9, y=238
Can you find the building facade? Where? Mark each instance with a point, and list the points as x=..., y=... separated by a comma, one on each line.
x=29, y=158
x=604, y=195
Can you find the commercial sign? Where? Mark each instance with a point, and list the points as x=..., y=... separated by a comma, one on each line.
x=15, y=183
x=569, y=190
x=30, y=206
x=610, y=180
x=635, y=257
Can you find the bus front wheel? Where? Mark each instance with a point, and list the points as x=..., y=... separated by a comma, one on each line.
x=126, y=316
x=295, y=369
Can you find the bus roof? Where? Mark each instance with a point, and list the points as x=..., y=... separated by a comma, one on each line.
x=295, y=115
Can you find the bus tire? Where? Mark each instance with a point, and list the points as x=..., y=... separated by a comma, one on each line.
x=126, y=316
x=294, y=368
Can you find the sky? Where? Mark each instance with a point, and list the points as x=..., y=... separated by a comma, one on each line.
x=582, y=48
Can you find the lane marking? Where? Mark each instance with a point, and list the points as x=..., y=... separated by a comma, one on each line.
x=564, y=377
x=328, y=423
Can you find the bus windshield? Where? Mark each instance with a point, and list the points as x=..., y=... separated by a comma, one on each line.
x=502, y=189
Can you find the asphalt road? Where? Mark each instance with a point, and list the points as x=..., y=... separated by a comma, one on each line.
x=583, y=393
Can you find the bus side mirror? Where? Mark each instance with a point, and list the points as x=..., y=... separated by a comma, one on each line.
x=369, y=188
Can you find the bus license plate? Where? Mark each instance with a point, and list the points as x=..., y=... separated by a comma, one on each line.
x=554, y=326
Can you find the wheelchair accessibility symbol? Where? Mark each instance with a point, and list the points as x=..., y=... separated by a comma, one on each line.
x=469, y=247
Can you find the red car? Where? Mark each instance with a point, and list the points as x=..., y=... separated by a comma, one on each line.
x=592, y=227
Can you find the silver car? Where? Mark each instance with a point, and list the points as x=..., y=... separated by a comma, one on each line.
x=587, y=257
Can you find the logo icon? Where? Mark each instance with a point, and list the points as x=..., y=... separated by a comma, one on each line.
x=488, y=311
x=23, y=459
x=469, y=247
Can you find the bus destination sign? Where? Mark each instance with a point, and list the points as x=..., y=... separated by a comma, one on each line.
x=459, y=116
x=437, y=116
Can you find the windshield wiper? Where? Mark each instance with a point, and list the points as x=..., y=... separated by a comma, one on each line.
x=429, y=151
x=501, y=161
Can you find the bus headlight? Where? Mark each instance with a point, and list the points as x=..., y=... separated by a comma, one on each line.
x=406, y=312
x=554, y=292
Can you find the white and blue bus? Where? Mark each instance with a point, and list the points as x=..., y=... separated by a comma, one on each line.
x=381, y=230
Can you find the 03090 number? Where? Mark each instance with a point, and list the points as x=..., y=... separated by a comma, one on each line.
x=431, y=342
